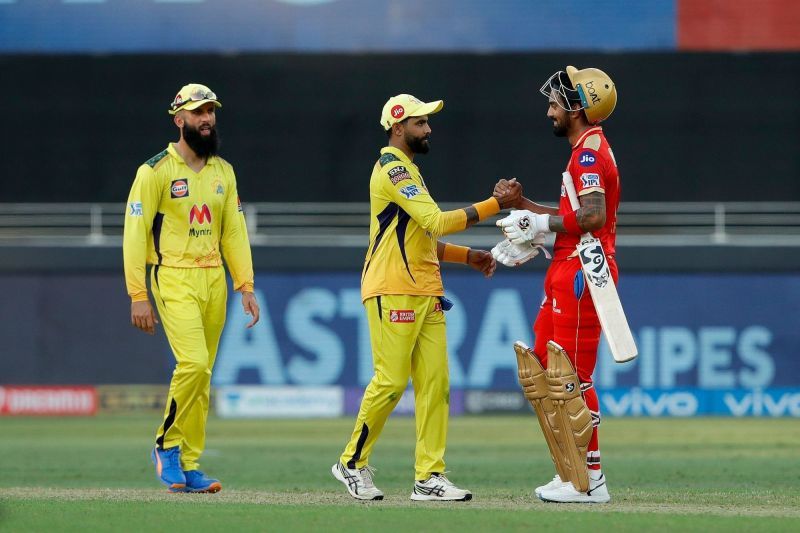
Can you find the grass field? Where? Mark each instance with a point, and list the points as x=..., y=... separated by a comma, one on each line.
x=94, y=474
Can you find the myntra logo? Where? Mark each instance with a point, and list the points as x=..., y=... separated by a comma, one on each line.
x=201, y=215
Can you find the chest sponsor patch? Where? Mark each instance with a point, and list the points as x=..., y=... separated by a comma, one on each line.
x=398, y=174
x=590, y=180
x=402, y=316
x=179, y=189
x=135, y=209
x=409, y=191
x=586, y=159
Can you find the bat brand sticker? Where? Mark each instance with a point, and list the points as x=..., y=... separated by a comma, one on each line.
x=594, y=263
x=402, y=316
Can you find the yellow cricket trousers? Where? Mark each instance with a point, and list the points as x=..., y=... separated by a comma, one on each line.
x=408, y=339
x=191, y=304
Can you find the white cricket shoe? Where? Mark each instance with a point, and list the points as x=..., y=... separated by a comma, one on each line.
x=597, y=493
x=555, y=483
x=438, y=488
x=358, y=482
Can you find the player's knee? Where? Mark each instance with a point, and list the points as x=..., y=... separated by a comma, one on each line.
x=198, y=368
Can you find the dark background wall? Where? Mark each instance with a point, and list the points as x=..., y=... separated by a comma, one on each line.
x=689, y=126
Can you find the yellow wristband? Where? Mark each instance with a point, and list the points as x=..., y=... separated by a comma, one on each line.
x=454, y=253
x=487, y=208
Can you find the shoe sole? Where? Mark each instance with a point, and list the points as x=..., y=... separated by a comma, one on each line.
x=211, y=489
x=343, y=481
x=546, y=500
x=423, y=498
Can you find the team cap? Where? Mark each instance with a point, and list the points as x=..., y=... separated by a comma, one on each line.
x=192, y=96
x=402, y=106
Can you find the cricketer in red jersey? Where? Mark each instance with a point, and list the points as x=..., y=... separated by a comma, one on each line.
x=577, y=101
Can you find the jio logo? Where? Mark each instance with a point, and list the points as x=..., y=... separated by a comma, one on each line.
x=398, y=111
x=586, y=159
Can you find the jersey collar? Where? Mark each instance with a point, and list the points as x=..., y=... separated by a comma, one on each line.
x=174, y=153
x=590, y=131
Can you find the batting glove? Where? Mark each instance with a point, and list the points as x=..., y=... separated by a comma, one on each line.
x=522, y=226
x=512, y=255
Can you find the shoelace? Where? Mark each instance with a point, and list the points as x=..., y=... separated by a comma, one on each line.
x=366, y=476
x=444, y=479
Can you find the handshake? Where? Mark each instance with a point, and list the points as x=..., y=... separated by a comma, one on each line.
x=524, y=231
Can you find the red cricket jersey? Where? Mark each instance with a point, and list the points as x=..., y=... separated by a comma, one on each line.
x=593, y=169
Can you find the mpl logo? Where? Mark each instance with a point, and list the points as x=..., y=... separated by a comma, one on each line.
x=586, y=159
x=402, y=316
x=201, y=215
x=179, y=189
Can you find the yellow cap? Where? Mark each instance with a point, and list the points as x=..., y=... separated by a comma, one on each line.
x=192, y=96
x=402, y=106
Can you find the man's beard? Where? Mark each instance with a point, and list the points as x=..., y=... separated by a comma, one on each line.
x=418, y=145
x=560, y=130
x=202, y=145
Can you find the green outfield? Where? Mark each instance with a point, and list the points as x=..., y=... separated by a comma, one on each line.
x=94, y=474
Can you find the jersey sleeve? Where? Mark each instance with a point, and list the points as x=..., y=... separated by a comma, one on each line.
x=235, y=242
x=588, y=171
x=413, y=198
x=140, y=212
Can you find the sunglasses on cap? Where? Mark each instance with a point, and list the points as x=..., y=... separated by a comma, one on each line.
x=196, y=95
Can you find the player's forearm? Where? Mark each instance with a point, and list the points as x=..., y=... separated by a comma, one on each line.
x=539, y=209
x=460, y=219
x=451, y=253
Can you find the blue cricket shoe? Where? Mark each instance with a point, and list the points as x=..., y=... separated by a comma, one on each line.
x=168, y=468
x=197, y=481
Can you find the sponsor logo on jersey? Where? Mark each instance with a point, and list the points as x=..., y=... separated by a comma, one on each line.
x=201, y=215
x=590, y=180
x=402, y=316
x=135, y=209
x=218, y=188
x=398, y=174
x=398, y=111
x=563, y=191
x=239, y=204
x=437, y=307
x=179, y=189
x=409, y=191
x=586, y=159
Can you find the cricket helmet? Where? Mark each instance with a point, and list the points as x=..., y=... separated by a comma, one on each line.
x=591, y=88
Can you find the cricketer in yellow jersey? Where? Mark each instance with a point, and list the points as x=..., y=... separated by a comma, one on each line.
x=184, y=216
x=402, y=291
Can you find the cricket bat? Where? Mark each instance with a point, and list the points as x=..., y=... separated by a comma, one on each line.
x=602, y=288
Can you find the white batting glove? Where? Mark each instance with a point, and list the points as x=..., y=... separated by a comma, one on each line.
x=522, y=226
x=512, y=255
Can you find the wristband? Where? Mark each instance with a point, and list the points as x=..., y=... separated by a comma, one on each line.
x=487, y=208
x=571, y=223
x=454, y=253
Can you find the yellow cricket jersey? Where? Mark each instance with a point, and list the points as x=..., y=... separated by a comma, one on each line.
x=404, y=226
x=179, y=218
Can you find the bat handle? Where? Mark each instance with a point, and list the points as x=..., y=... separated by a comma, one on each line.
x=569, y=187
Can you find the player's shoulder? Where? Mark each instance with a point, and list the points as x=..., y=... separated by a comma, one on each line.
x=388, y=159
x=157, y=160
x=227, y=166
